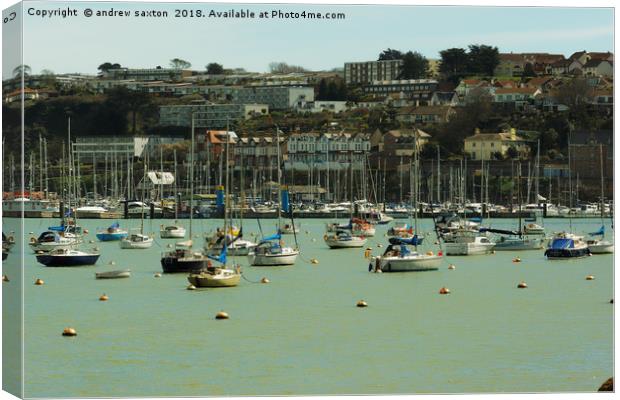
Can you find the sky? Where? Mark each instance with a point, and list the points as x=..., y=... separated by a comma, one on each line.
x=80, y=44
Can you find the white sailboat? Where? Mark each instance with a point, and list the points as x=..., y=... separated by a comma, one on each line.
x=138, y=240
x=601, y=246
x=271, y=250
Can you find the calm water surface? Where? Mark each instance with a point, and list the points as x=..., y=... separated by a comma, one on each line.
x=302, y=334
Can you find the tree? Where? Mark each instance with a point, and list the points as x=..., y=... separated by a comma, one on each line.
x=284, y=68
x=390, y=54
x=177, y=63
x=21, y=70
x=215, y=69
x=415, y=66
x=548, y=140
x=575, y=93
x=106, y=66
x=483, y=59
x=453, y=63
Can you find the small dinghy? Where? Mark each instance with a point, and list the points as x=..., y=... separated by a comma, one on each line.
x=123, y=273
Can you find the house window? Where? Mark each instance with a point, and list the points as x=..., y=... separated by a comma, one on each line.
x=473, y=145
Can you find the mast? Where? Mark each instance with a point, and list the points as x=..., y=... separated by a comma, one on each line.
x=191, y=182
x=602, y=185
x=226, y=189
x=279, y=178
x=438, y=176
x=176, y=197
x=416, y=185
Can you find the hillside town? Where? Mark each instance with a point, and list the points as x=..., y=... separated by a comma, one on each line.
x=549, y=112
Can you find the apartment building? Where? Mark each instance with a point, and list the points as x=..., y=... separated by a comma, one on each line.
x=361, y=73
x=209, y=115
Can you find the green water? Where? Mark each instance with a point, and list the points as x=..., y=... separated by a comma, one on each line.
x=302, y=334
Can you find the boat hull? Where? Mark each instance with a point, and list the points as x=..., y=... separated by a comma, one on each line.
x=265, y=260
x=128, y=244
x=172, y=234
x=109, y=237
x=406, y=264
x=557, y=254
x=172, y=265
x=601, y=248
x=49, y=246
x=468, y=249
x=113, y=274
x=345, y=244
x=206, y=280
x=516, y=245
x=66, y=261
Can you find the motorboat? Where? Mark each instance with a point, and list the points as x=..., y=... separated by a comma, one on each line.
x=467, y=243
x=533, y=229
x=112, y=233
x=136, y=241
x=172, y=232
x=67, y=258
x=118, y=274
x=343, y=239
x=567, y=245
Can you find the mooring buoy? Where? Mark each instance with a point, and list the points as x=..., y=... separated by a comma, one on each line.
x=39, y=282
x=5, y=278
x=191, y=287
x=314, y=261
x=361, y=304
x=516, y=260
x=444, y=290
x=522, y=285
x=69, y=332
x=264, y=280
x=157, y=275
x=104, y=297
x=451, y=266
x=590, y=278
x=221, y=315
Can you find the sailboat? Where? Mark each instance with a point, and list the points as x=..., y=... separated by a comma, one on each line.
x=112, y=233
x=516, y=240
x=271, y=250
x=601, y=246
x=563, y=244
x=138, y=240
x=344, y=238
x=183, y=258
x=231, y=235
x=174, y=231
x=67, y=256
x=398, y=256
x=211, y=276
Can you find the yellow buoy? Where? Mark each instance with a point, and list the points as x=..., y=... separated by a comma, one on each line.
x=522, y=285
x=314, y=261
x=191, y=287
x=590, y=278
x=367, y=252
x=221, y=315
x=429, y=253
x=39, y=282
x=264, y=280
x=362, y=303
x=5, y=278
x=451, y=266
x=157, y=275
x=69, y=332
x=516, y=260
x=444, y=290
x=104, y=297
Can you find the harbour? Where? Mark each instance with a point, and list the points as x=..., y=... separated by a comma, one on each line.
x=155, y=338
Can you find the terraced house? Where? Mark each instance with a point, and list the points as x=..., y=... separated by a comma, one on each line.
x=488, y=146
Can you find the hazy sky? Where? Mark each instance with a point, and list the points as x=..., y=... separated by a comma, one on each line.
x=80, y=44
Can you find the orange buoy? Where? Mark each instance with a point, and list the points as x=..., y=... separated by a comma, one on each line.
x=264, y=280
x=516, y=260
x=367, y=252
x=362, y=304
x=444, y=290
x=522, y=285
x=104, y=297
x=69, y=332
x=5, y=278
x=590, y=278
x=39, y=282
x=451, y=266
x=221, y=315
